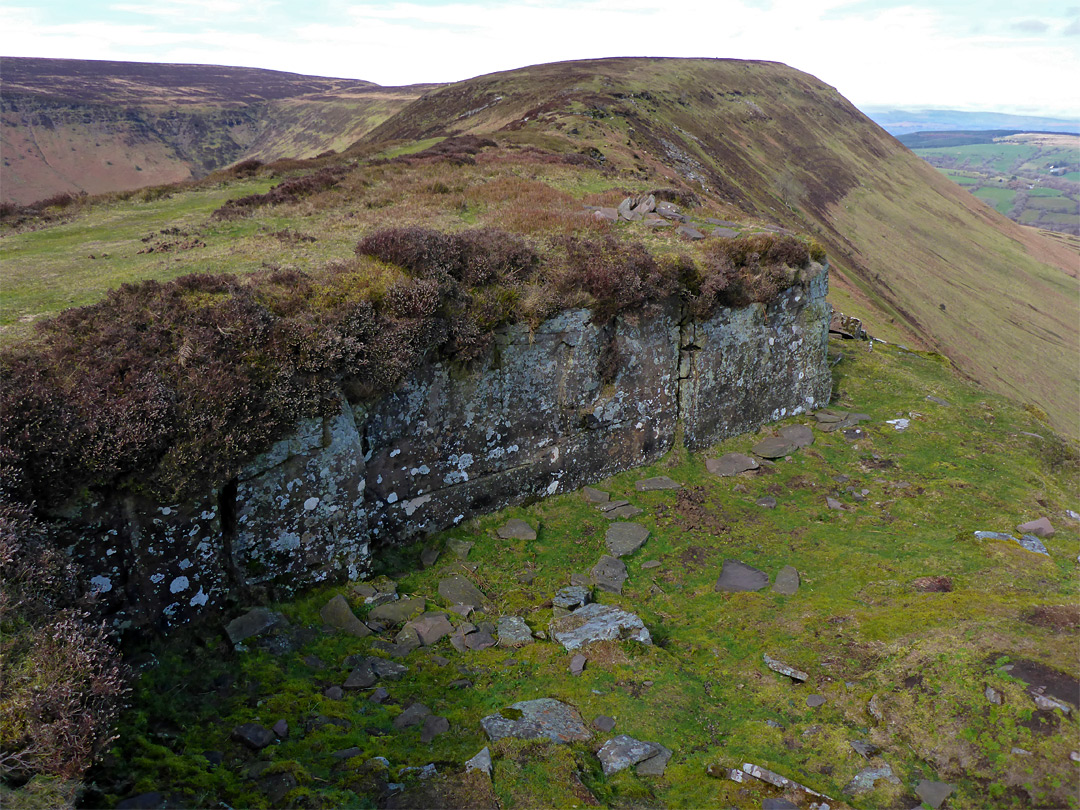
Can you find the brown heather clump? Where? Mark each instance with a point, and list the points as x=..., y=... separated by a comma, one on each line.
x=748, y=269
x=288, y=191
x=615, y=275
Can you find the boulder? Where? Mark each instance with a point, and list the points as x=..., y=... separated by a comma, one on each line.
x=517, y=529
x=253, y=735
x=619, y=753
x=544, y=718
x=339, y=615
x=253, y=623
x=457, y=590
x=625, y=538
x=609, y=574
x=736, y=576
x=595, y=622
x=731, y=464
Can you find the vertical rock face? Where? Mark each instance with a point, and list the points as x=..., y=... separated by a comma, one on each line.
x=543, y=412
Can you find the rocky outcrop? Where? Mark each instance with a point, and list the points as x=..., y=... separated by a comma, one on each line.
x=539, y=414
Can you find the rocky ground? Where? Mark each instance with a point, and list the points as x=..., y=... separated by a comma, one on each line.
x=871, y=606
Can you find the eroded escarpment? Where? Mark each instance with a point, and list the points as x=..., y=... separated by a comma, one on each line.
x=545, y=410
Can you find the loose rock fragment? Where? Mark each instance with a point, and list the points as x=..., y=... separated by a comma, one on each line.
x=457, y=590
x=596, y=622
x=595, y=495
x=775, y=447
x=517, y=529
x=864, y=780
x=253, y=735
x=572, y=597
x=544, y=718
x=609, y=574
x=933, y=793
x=577, y=664
x=731, y=464
x=1040, y=528
x=784, y=669
x=338, y=614
x=513, y=632
x=412, y=716
x=787, y=581
x=621, y=752
x=253, y=623
x=623, y=539
x=481, y=762
x=655, y=484
x=737, y=576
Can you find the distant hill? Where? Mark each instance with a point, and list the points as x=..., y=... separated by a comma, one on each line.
x=72, y=126
x=902, y=122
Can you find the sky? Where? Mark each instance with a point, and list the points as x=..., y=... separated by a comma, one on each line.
x=992, y=55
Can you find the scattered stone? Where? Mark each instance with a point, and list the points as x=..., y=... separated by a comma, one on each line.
x=736, y=576
x=253, y=735
x=428, y=557
x=623, y=539
x=595, y=495
x=1047, y=703
x=801, y=435
x=938, y=400
x=784, y=669
x=777, y=803
x=815, y=700
x=281, y=728
x=253, y=623
x=347, y=753
x=873, y=706
x=540, y=719
x=457, y=590
x=572, y=597
x=787, y=581
x=995, y=536
x=1074, y=756
x=428, y=771
x=627, y=511
x=607, y=506
x=334, y=692
x=775, y=779
x=775, y=447
x=649, y=564
x=398, y=611
x=1040, y=528
x=766, y=502
x=898, y=424
x=731, y=464
x=619, y=753
x=864, y=748
x=577, y=664
x=480, y=640
x=994, y=696
x=1072, y=515
x=727, y=233
x=276, y=786
x=517, y=529
x=461, y=683
x=832, y=503
x=513, y=632
x=692, y=234
x=407, y=640
x=608, y=214
x=609, y=574
x=596, y=622
x=933, y=793
x=656, y=484
x=481, y=762
x=645, y=205
x=526, y=577
x=604, y=723
x=656, y=764
x=433, y=727
x=830, y=416
x=864, y=780
x=430, y=628
x=459, y=548
x=412, y=716
x=379, y=695
x=1021, y=752
x=581, y=580
x=1033, y=543
x=773, y=724
x=339, y=615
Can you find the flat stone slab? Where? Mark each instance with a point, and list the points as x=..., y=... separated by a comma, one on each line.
x=864, y=780
x=609, y=574
x=481, y=762
x=731, y=464
x=627, y=511
x=595, y=622
x=595, y=495
x=800, y=434
x=619, y=753
x=457, y=590
x=397, y=612
x=253, y=623
x=625, y=538
x=656, y=764
x=431, y=627
x=787, y=581
x=766, y=502
x=253, y=735
x=412, y=716
x=1040, y=528
x=572, y=597
x=542, y=719
x=736, y=576
x=656, y=484
x=434, y=725
x=775, y=447
x=513, y=632
x=933, y=793
x=517, y=529
x=784, y=669
x=692, y=234
x=607, y=506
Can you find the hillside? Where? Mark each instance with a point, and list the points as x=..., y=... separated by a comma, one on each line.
x=72, y=126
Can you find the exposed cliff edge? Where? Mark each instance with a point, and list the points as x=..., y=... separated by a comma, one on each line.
x=534, y=416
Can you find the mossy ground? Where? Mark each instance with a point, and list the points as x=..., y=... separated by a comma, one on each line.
x=856, y=625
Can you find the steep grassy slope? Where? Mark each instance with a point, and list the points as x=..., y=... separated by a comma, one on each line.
x=71, y=126
x=915, y=255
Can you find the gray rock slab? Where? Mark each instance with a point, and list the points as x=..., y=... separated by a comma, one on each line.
x=661, y=482
x=595, y=495
x=619, y=753
x=572, y=597
x=517, y=529
x=777, y=803
x=737, y=576
x=607, y=506
x=864, y=780
x=995, y=536
x=457, y=590
x=731, y=464
x=766, y=502
x=412, y=716
x=334, y=693
x=787, y=581
x=774, y=447
x=281, y=728
x=481, y=762
x=595, y=622
x=431, y=627
x=609, y=574
x=813, y=701
x=513, y=632
x=397, y=612
x=656, y=764
x=407, y=640
x=834, y=504
x=784, y=669
x=544, y=718
x=604, y=723
x=649, y=564
x=577, y=664
x=1040, y=528
x=693, y=234
x=609, y=214
x=253, y=735
x=459, y=548
x=933, y=793
x=253, y=623
x=480, y=640
x=434, y=725
x=727, y=233
x=361, y=677
x=622, y=539
x=627, y=511
x=801, y=435
x=1033, y=543
x=938, y=400
x=428, y=557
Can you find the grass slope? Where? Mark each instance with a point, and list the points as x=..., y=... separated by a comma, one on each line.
x=857, y=625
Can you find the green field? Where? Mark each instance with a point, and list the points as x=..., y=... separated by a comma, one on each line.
x=1000, y=198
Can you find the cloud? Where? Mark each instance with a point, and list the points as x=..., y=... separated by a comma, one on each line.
x=1072, y=29
x=1030, y=27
